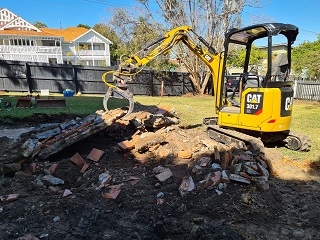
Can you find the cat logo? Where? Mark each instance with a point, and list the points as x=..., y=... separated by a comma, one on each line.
x=253, y=103
x=288, y=104
x=254, y=98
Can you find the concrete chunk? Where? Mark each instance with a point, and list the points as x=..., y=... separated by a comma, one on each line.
x=164, y=175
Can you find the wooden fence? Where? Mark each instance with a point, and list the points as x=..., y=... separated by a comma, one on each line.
x=307, y=90
x=34, y=77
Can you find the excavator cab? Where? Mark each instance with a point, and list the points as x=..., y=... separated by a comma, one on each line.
x=262, y=104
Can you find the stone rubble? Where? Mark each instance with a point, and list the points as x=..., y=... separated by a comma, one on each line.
x=156, y=137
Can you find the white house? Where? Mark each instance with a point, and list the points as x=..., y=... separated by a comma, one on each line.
x=21, y=41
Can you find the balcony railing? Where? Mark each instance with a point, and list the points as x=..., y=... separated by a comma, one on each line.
x=85, y=53
x=30, y=49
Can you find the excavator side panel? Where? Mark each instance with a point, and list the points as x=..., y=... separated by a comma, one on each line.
x=262, y=109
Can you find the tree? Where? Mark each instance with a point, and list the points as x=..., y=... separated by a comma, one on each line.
x=38, y=24
x=83, y=26
x=134, y=32
x=116, y=48
x=236, y=57
x=209, y=18
x=307, y=55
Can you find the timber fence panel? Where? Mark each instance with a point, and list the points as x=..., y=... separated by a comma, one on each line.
x=89, y=79
x=13, y=76
x=307, y=90
x=33, y=77
x=56, y=78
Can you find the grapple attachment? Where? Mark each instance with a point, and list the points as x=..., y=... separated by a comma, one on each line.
x=119, y=93
x=119, y=90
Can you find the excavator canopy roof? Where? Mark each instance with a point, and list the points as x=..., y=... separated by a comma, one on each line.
x=247, y=35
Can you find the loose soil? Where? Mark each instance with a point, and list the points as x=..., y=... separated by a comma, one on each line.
x=289, y=209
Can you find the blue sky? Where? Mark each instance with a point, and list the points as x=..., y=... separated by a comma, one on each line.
x=68, y=13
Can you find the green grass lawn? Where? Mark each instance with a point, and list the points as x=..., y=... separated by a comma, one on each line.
x=191, y=111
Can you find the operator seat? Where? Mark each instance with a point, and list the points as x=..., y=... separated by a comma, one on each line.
x=280, y=67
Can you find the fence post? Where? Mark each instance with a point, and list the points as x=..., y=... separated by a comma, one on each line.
x=74, y=78
x=295, y=88
x=151, y=82
x=28, y=77
x=182, y=83
x=162, y=88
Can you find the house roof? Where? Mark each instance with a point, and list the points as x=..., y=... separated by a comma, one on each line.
x=68, y=34
x=11, y=24
x=26, y=33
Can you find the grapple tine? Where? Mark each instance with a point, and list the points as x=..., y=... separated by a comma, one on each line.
x=120, y=94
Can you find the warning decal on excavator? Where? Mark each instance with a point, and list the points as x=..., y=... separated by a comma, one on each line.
x=253, y=103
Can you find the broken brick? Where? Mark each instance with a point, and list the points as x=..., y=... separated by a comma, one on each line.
x=9, y=198
x=187, y=185
x=263, y=171
x=149, y=140
x=134, y=139
x=53, y=168
x=250, y=171
x=113, y=192
x=78, y=160
x=238, y=178
x=33, y=167
x=95, y=154
x=184, y=154
x=226, y=160
x=164, y=152
x=204, y=161
x=217, y=154
x=126, y=145
x=84, y=168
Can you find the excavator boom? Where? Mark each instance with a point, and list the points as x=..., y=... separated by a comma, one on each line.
x=133, y=64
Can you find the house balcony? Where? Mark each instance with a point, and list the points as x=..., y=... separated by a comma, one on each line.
x=29, y=49
x=86, y=53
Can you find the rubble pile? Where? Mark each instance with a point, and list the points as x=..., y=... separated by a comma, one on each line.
x=156, y=138
x=52, y=138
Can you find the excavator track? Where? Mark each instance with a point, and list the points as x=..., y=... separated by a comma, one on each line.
x=229, y=137
x=298, y=142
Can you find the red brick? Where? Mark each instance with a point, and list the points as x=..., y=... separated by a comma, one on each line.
x=78, y=160
x=113, y=192
x=95, y=154
x=126, y=145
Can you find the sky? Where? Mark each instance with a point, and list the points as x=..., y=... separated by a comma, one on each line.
x=69, y=13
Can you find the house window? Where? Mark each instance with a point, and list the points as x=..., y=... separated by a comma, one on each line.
x=96, y=47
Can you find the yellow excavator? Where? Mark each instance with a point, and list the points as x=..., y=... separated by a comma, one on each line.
x=261, y=113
